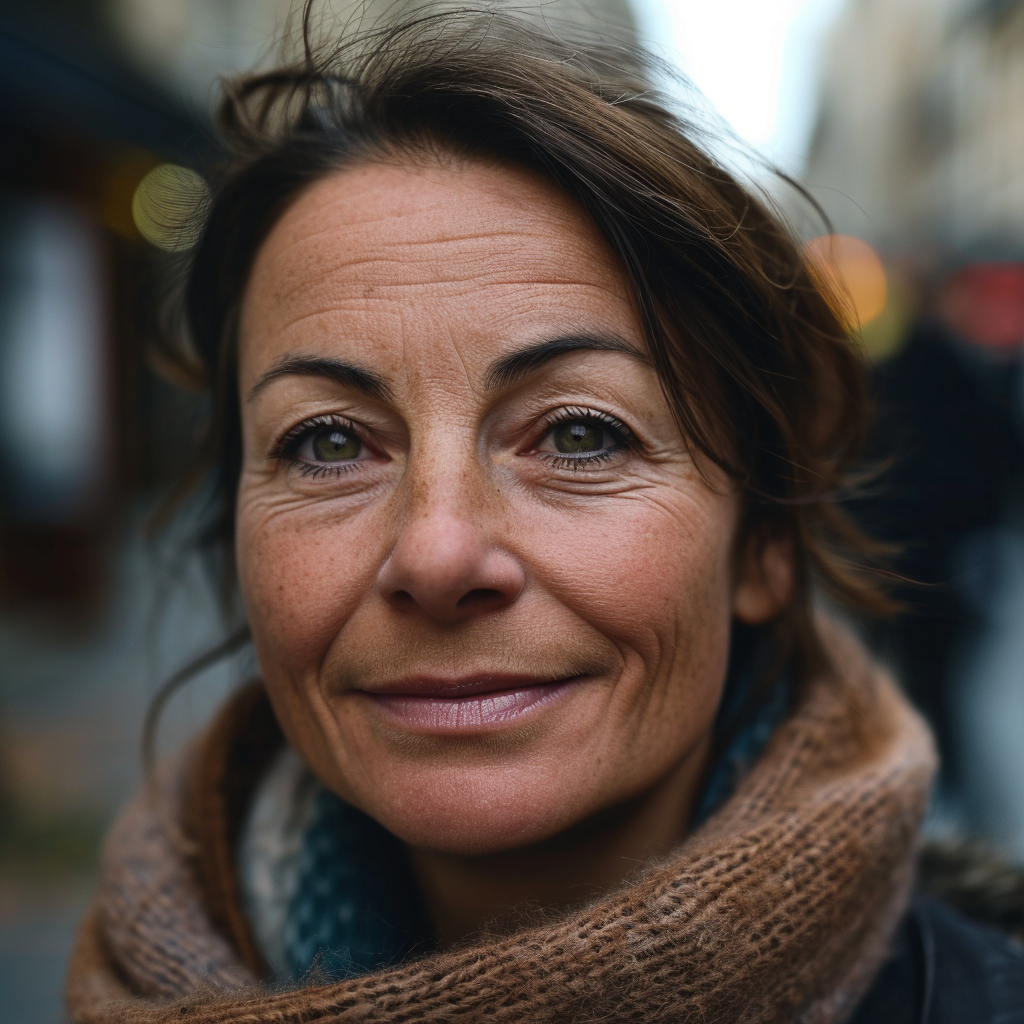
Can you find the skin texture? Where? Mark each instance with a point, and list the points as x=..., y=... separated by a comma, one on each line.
x=459, y=543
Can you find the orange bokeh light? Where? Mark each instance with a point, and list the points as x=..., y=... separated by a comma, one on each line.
x=851, y=275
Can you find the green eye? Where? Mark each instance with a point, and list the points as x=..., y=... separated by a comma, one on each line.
x=335, y=445
x=577, y=437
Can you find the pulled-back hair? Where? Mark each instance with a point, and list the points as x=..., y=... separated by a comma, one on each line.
x=757, y=369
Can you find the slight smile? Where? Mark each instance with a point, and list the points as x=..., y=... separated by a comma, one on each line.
x=467, y=706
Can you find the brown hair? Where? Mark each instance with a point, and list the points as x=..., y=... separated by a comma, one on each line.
x=759, y=372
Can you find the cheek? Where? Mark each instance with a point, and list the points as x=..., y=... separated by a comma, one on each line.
x=653, y=572
x=302, y=575
x=653, y=575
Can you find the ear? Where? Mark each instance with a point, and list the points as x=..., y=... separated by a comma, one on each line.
x=765, y=577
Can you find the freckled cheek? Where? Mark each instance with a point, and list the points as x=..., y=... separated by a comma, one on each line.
x=644, y=574
x=300, y=582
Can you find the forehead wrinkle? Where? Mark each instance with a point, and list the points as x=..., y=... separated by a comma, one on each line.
x=395, y=295
x=444, y=278
x=361, y=311
x=346, y=302
x=428, y=237
x=544, y=224
x=397, y=258
x=311, y=253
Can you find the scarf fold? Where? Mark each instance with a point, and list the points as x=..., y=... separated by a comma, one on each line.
x=778, y=908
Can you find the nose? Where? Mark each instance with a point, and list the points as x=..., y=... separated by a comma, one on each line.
x=447, y=567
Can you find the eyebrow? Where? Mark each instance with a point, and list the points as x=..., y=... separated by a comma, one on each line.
x=512, y=368
x=346, y=374
x=502, y=374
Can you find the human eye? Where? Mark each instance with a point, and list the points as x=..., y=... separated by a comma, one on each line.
x=582, y=438
x=322, y=445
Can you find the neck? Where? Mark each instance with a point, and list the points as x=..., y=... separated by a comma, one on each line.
x=463, y=894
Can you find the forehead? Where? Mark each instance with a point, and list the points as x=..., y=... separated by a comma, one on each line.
x=404, y=262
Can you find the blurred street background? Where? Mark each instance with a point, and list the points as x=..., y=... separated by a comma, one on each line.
x=904, y=119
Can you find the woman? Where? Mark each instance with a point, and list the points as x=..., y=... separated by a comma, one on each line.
x=529, y=425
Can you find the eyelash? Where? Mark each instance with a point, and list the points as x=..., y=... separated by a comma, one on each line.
x=626, y=439
x=285, y=449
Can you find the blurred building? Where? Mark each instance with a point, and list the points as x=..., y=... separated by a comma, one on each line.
x=920, y=137
x=87, y=430
x=919, y=148
x=78, y=130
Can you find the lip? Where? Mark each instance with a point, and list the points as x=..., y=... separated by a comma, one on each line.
x=478, y=704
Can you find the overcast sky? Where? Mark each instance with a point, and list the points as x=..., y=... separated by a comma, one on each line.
x=754, y=60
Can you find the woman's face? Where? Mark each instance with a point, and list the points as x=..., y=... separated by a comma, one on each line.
x=489, y=590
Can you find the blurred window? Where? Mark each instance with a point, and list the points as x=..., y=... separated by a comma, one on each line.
x=52, y=361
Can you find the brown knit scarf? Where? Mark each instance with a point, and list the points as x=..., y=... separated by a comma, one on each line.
x=779, y=908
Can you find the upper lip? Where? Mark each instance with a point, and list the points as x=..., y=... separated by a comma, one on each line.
x=468, y=686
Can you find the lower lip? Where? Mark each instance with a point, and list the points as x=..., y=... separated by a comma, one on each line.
x=472, y=713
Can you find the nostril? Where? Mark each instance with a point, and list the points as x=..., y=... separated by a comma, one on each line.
x=480, y=598
x=437, y=575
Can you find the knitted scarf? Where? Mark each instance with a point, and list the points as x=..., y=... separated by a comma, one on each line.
x=779, y=908
x=329, y=889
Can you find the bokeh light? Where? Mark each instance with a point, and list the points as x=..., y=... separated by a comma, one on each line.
x=984, y=304
x=888, y=333
x=168, y=207
x=851, y=275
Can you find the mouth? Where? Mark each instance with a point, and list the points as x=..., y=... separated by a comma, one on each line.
x=479, y=704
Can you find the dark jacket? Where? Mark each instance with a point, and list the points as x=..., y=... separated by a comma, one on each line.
x=947, y=967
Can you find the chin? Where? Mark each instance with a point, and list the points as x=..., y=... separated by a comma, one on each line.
x=475, y=812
